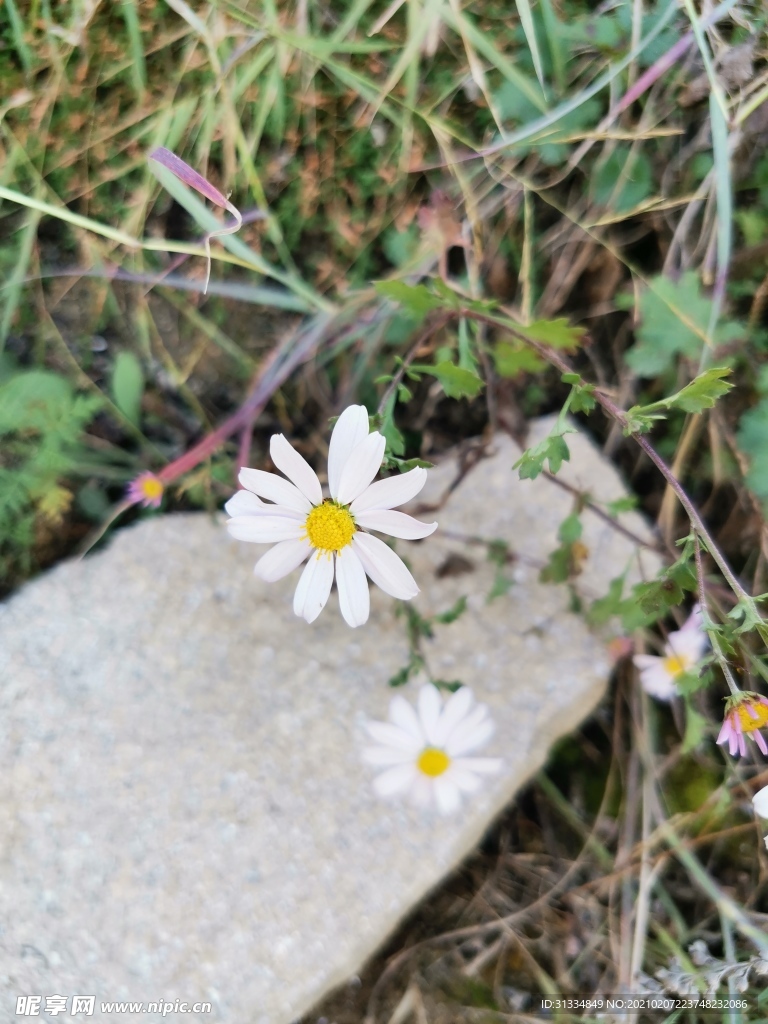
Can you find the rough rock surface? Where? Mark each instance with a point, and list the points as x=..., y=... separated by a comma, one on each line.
x=184, y=810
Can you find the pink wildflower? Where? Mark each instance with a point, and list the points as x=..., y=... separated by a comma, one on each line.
x=745, y=715
x=146, y=489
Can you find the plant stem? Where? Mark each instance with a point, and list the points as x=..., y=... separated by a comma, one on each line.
x=711, y=633
x=555, y=359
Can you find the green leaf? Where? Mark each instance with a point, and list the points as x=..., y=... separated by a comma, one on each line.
x=558, y=568
x=752, y=438
x=395, y=440
x=400, y=246
x=582, y=399
x=456, y=382
x=570, y=529
x=700, y=394
x=128, y=386
x=696, y=728
x=654, y=599
x=501, y=585
x=512, y=360
x=623, y=180
x=627, y=504
x=417, y=300
x=703, y=391
x=555, y=333
x=552, y=449
x=604, y=608
x=674, y=320
x=453, y=612
x=33, y=400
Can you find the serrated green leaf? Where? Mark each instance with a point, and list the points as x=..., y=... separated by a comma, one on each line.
x=604, y=608
x=674, y=320
x=128, y=386
x=582, y=398
x=700, y=394
x=33, y=400
x=623, y=180
x=510, y=360
x=552, y=449
x=556, y=333
x=704, y=390
x=456, y=382
x=416, y=299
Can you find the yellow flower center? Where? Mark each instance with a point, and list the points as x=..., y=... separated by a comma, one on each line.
x=330, y=527
x=433, y=762
x=748, y=723
x=152, y=488
x=675, y=665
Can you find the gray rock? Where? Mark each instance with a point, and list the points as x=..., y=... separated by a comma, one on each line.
x=186, y=815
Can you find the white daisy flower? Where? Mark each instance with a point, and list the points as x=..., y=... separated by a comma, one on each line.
x=683, y=650
x=330, y=532
x=760, y=802
x=424, y=754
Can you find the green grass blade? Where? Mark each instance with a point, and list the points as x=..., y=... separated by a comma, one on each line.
x=17, y=32
x=17, y=279
x=138, y=65
x=462, y=24
x=526, y=19
x=557, y=50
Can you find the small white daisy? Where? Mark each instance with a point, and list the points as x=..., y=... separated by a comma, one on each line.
x=330, y=532
x=683, y=650
x=760, y=802
x=425, y=753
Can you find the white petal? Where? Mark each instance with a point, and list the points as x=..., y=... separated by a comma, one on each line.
x=455, y=710
x=422, y=789
x=430, y=706
x=314, y=587
x=351, y=428
x=384, y=567
x=474, y=718
x=390, y=735
x=462, y=742
x=395, y=780
x=265, y=509
x=264, y=529
x=274, y=488
x=760, y=802
x=695, y=620
x=403, y=715
x=396, y=524
x=644, y=661
x=466, y=781
x=390, y=493
x=282, y=559
x=658, y=683
x=386, y=756
x=354, y=599
x=361, y=467
x=244, y=504
x=479, y=765
x=447, y=795
x=687, y=644
x=296, y=468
